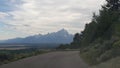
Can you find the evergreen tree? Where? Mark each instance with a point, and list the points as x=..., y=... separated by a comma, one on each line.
x=113, y=4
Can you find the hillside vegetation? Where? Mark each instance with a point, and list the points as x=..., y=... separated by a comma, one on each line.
x=100, y=40
x=113, y=63
x=7, y=56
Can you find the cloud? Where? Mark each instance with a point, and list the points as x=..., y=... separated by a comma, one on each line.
x=43, y=16
x=3, y=15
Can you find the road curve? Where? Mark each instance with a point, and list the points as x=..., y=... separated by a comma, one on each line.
x=61, y=59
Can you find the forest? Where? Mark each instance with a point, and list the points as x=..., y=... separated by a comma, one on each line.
x=100, y=40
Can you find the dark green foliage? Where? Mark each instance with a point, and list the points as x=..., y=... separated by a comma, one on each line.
x=88, y=34
x=74, y=45
x=63, y=46
x=77, y=38
x=4, y=56
x=7, y=56
x=100, y=40
x=69, y=46
x=113, y=4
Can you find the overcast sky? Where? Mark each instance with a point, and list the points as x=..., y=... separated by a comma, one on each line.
x=20, y=18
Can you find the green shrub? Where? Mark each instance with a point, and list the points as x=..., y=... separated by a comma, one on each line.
x=105, y=56
x=116, y=44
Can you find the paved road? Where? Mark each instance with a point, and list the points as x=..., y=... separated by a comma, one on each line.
x=62, y=59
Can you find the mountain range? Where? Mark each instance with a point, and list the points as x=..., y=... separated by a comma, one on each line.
x=60, y=37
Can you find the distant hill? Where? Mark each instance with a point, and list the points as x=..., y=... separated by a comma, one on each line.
x=60, y=37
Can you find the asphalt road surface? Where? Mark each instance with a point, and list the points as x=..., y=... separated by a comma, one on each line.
x=61, y=59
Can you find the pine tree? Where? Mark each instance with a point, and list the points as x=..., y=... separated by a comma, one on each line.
x=113, y=4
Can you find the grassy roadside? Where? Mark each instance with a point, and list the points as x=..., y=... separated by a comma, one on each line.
x=7, y=56
x=113, y=63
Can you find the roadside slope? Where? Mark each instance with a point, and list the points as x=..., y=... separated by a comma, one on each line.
x=114, y=63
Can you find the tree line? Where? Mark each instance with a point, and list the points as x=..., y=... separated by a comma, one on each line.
x=100, y=40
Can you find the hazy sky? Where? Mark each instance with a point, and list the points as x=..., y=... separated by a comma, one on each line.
x=20, y=18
